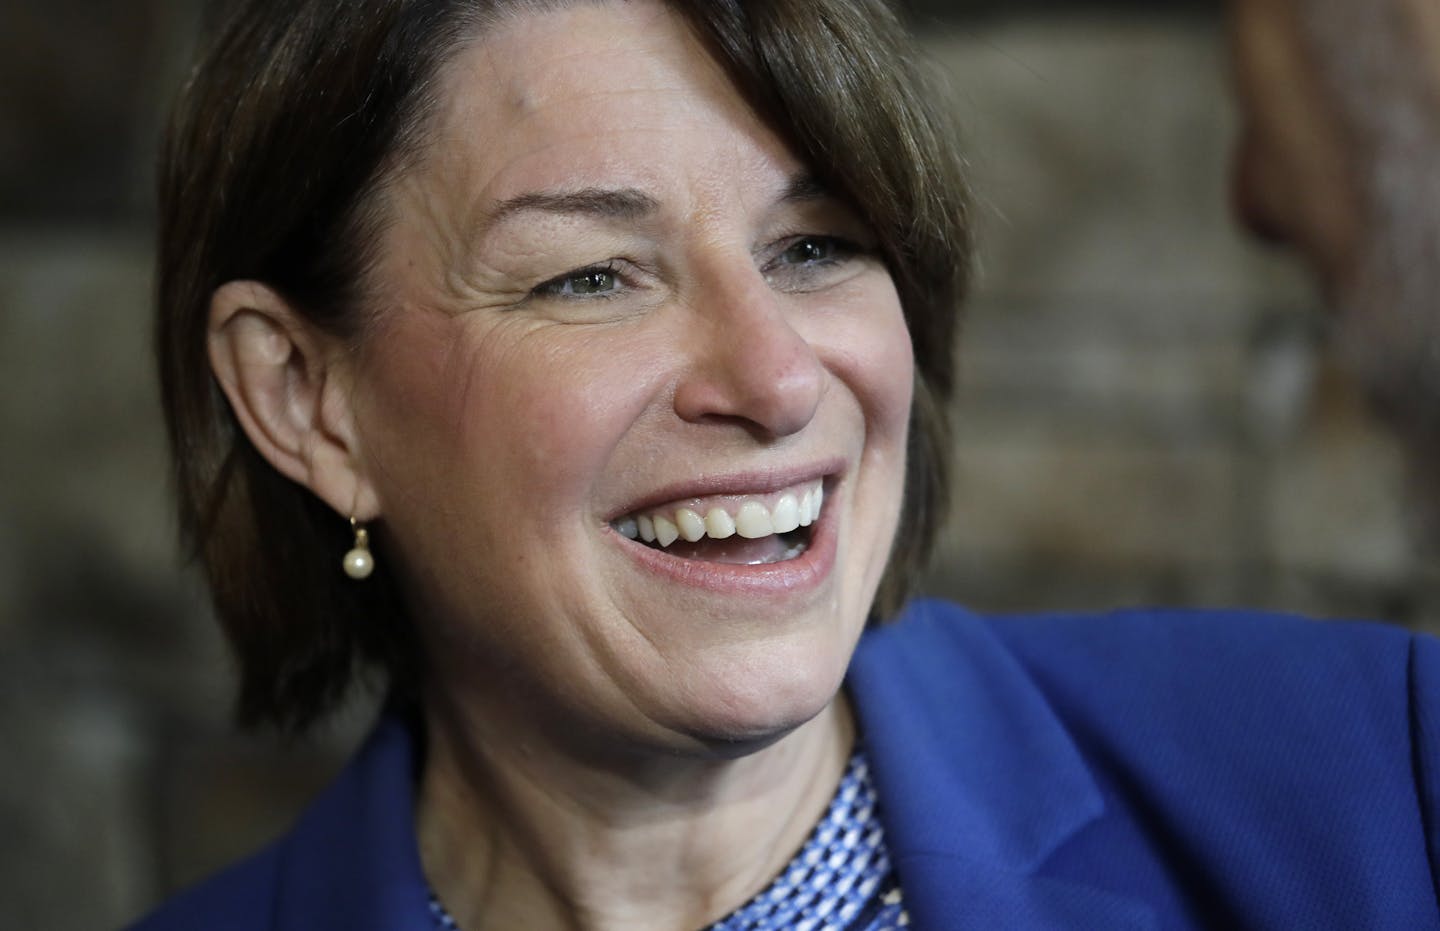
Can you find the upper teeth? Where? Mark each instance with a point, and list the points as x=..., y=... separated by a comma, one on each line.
x=751, y=518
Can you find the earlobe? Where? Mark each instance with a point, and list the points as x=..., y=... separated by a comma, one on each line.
x=283, y=381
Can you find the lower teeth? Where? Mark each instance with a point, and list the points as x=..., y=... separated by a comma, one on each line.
x=739, y=551
x=793, y=551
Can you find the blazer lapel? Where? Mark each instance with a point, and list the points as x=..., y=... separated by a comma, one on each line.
x=944, y=893
x=978, y=780
x=351, y=861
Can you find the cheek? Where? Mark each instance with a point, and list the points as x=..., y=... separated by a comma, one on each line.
x=869, y=351
x=895, y=371
x=457, y=413
x=552, y=406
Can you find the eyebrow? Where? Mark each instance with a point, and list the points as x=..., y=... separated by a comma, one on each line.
x=805, y=187
x=625, y=204
x=604, y=203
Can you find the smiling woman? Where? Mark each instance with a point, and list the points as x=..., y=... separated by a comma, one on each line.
x=607, y=341
x=455, y=175
x=568, y=310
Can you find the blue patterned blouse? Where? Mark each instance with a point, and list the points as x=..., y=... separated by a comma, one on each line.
x=840, y=880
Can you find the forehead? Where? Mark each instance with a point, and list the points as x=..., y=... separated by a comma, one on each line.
x=592, y=94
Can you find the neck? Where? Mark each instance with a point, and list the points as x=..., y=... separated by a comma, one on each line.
x=520, y=833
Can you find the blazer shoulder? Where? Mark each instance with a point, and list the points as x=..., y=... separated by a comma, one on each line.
x=1203, y=649
x=1273, y=690
x=240, y=898
x=1192, y=671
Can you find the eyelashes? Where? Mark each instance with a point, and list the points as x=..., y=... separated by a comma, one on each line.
x=809, y=263
x=589, y=283
x=815, y=250
x=797, y=263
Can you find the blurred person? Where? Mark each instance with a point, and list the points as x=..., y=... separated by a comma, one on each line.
x=1339, y=156
x=578, y=370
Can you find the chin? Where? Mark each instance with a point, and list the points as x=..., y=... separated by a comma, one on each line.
x=749, y=705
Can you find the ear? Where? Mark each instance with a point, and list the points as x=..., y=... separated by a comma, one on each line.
x=288, y=383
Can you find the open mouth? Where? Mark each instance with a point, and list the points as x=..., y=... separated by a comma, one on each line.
x=745, y=530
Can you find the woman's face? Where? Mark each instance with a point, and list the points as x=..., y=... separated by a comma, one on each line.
x=615, y=304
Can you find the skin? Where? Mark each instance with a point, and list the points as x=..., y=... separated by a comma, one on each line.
x=608, y=746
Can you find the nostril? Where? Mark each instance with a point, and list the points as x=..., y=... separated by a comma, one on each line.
x=748, y=360
x=776, y=388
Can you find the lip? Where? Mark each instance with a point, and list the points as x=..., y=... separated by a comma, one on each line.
x=797, y=576
x=759, y=482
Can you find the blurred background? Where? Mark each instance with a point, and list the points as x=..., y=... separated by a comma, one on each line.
x=1147, y=416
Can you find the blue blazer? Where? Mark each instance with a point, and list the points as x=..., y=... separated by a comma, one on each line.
x=1143, y=769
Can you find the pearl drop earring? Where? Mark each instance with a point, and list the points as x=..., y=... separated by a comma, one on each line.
x=358, y=562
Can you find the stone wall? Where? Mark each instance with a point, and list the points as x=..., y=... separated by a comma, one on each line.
x=1147, y=417
x=1148, y=413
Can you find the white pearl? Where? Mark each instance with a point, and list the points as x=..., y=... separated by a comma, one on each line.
x=359, y=563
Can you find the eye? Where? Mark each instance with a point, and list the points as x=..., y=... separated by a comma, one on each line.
x=596, y=281
x=810, y=263
x=812, y=250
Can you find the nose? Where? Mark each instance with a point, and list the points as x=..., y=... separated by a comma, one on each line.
x=747, y=361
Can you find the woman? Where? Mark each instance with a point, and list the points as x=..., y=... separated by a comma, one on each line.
x=606, y=341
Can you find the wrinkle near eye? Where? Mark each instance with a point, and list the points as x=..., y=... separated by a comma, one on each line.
x=466, y=294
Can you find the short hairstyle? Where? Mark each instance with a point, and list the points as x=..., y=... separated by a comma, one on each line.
x=294, y=120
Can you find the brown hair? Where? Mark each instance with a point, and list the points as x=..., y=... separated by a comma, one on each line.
x=295, y=117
